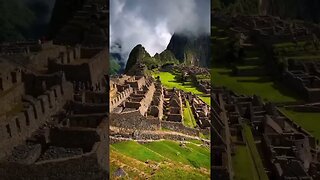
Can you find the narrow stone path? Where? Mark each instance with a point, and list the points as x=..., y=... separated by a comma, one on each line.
x=150, y=136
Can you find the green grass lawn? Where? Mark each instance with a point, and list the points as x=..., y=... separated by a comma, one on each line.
x=254, y=152
x=175, y=161
x=307, y=120
x=243, y=164
x=188, y=118
x=261, y=86
x=169, y=81
x=137, y=151
x=191, y=154
x=196, y=156
x=166, y=169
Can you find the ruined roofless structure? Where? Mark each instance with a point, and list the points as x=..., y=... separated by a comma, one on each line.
x=290, y=151
x=140, y=106
x=55, y=121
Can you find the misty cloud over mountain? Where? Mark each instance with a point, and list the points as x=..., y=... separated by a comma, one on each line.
x=153, y=22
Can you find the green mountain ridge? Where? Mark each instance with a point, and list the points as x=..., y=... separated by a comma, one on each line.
x=181, y=49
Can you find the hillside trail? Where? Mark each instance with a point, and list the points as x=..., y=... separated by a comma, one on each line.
x=163, y=134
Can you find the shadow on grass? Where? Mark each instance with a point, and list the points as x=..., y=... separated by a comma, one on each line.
x=287, y=91
x=226, y=73
x=262, y=79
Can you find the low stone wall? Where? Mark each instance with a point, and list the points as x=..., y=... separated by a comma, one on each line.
x=120, y=98
x=15, y=129
x=134, y=120
x=304, y=108
x=85, y=167
x=179, y=127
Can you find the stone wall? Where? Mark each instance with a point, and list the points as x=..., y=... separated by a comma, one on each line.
x=11, y=99
x=83, y=72
x=134, y=120
x=85, y=167
x=145, y=103
x=95, y=97
x=41, y=58
x=37, y=84
x=312, y=139
x=8, y=78
x=15, y=129
x=120, y=98
x=179, y=127
x=88, y=108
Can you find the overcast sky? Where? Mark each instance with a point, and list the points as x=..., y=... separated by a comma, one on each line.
x=152, y=22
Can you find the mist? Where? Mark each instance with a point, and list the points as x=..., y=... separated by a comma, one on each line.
x=153, y=22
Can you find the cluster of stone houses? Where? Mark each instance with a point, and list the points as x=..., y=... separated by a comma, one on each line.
x=55, y=121
x=288, y=151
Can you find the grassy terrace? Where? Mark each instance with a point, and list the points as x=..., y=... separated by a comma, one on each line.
x=307, y=120
x=169, y=81
x=254, y=152
x=259, y=85
x=193, y=155
x=243, y=164
x=188, y=118
x=174, y=161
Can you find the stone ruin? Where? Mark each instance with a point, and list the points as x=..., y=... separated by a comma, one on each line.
x=192, y=72
x=269, y=29
x=288, y=151
x=201, y=111
x=221, y=166
x=54, y=114
x=140, y=104
x=304, y=77
x=174, y=105
x=132, y=97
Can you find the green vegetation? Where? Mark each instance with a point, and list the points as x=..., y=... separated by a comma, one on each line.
x=243, y=164
x=204, y=136
x=191, y=154
x=195, y=141
x=137, y=151
x=188, y=118
x=290, y=44
x=114, y=66
x=262, y=86
x=15, y=19
x=158, y=151
x=166, y=57
x=254, y=152
x=172, y=160
x=308, y=120
x=164, y=170
x=237, y=6
x=169, y=80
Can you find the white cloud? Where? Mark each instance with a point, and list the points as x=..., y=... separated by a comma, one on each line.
x=152, y=22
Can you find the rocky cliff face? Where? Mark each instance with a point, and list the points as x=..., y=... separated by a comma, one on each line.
x=191, y=50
